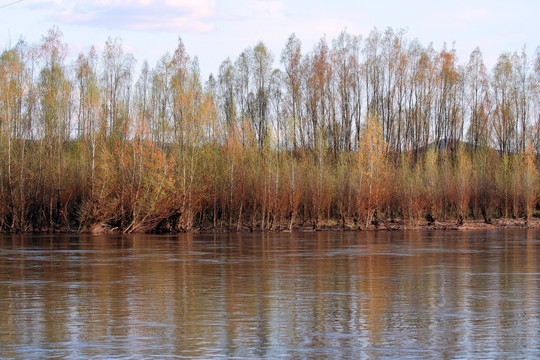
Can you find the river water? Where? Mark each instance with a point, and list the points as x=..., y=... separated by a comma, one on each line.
x=323, y=295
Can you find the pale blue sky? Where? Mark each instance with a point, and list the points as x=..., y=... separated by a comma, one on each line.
x=215, y=29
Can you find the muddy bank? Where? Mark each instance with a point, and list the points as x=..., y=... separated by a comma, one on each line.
x=381, y=225
x=390, y=225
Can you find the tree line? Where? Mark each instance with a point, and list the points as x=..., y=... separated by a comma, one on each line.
x=348, y=133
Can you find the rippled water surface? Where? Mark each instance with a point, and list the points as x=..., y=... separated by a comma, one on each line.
x=302, y=295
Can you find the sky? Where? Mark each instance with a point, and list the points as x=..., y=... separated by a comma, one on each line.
x=213, y=30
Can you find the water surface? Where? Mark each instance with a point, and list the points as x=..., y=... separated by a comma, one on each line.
x=302, y=295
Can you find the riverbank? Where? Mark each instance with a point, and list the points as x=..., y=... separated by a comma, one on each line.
x=382, y=225
x=453, y=224
x=332, y=225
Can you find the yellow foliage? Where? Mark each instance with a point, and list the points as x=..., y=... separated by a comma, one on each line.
x=462, y=182
x=372, y=170
x=529, y=180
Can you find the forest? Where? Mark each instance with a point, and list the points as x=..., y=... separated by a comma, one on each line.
x=350, y=133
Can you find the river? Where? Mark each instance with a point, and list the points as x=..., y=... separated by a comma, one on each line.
x=320, y=295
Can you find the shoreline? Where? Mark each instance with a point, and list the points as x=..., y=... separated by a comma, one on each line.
x=400, y=225
x=386, y=225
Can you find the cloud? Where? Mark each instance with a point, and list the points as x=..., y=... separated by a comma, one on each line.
x=145, y=15
x=464, y=18
x=234, y=11
x=471, y=15
x=271, y=8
